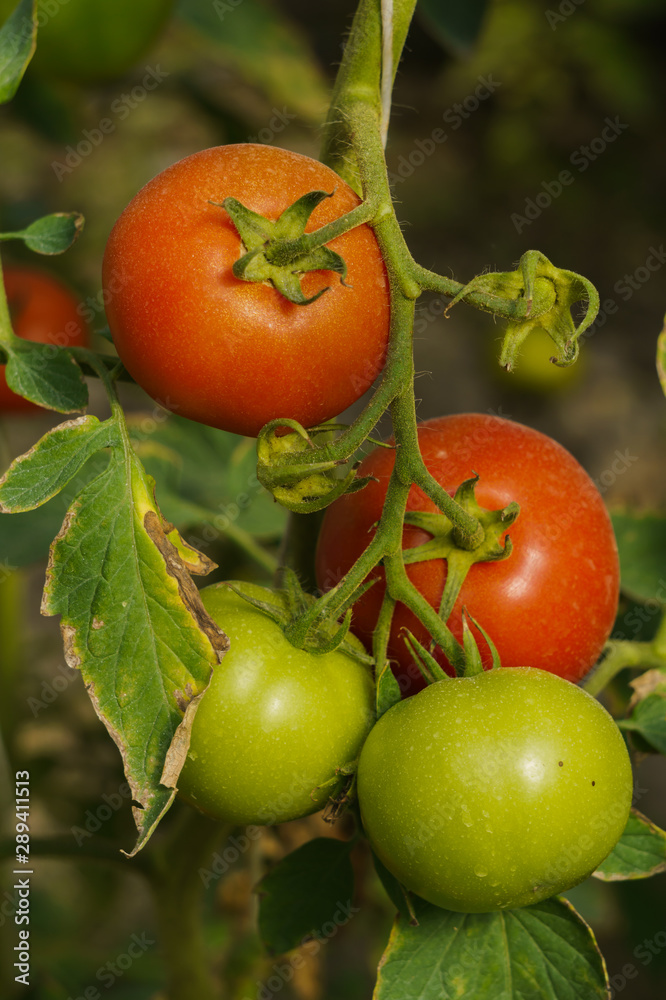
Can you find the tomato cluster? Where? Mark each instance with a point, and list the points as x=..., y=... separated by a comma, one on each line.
x=479, y=792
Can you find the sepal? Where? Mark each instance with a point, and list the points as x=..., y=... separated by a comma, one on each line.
x=279, y=251
x=301, y=486
x=546, y=295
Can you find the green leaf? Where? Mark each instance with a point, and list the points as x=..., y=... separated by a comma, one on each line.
x=41, y=473
x=132, y=619
x=641, y=542
x=17, y=44
x=544, y=951
x=268, y=50
x=392, y=887
x=648, y=721
x=52, y=234
x=639, y=853
x=308, y=894
x=456, y=24
x=46, y=375
x=54, y=463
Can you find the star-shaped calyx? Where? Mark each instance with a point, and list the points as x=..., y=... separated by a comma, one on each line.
x=280, y=251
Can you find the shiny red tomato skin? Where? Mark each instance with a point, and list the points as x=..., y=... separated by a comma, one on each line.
x=230, y=353
x=44, y=310
x=551, y=603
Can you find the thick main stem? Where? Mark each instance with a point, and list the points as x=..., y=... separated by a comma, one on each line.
x=359, y=80
x=179, y=895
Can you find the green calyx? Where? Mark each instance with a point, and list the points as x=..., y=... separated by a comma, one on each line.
x=325, y=637
x=549, y=294
x=300, y=486
x=280, y=251
x=443, y=545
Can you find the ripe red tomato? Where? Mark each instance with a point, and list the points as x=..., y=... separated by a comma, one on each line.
x=231, y=353
x=44, y=310
x=551, y=604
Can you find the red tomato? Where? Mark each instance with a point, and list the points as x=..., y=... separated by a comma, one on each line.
x=550, y=604
x=228, y=352
x=44, y=310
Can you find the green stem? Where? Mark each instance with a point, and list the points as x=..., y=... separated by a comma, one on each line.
x=7, y=334
x=335, y=601
x=356, y=119
x=413, y=469
x=659, y=640
x=179, y=895
x=298, y=548
x=621, y=655
x=244, y=540
x=508, y=308
x=359, y=79
x=288, y=251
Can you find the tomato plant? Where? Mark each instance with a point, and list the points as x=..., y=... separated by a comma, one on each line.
x=275, y=722
x=236, y=354
x=256, y=291
x=503, y=789
x=43, y=310
x=551, y=603
x=87, y=43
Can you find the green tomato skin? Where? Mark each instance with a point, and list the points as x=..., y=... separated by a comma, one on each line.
x=275, y=721
x=494, y=791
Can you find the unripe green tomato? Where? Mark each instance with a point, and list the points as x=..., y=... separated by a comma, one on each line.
x=275, y=722
x=534, y=371
x=87, y=41
x=494, y=791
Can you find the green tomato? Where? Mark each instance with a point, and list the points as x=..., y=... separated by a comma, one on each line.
x=275, y=722
x=86, y=41
x=494, y=791
x=534, y=371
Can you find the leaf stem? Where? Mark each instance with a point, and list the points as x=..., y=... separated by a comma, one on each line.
x=7, y=334
x=623, y=654
x=507, y=307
